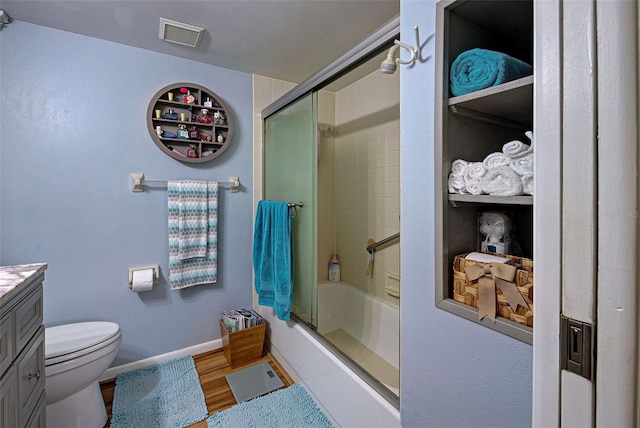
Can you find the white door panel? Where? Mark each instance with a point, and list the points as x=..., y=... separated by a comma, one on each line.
x=617, y=213
x=586, y=76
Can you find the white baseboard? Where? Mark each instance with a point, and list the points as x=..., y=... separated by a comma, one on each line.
x=201, y=348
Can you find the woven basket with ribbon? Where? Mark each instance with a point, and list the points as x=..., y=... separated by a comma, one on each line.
x=496, y=289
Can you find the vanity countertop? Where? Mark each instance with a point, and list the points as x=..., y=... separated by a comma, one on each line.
x=12, y=277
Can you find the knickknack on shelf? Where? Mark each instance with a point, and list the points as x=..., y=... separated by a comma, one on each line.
x=189, y=122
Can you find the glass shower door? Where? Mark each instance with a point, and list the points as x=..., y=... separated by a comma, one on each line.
x=290, y=175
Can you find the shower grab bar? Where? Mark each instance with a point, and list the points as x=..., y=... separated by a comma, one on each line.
x=371, y=248
x=295, y=208
x=138, y=182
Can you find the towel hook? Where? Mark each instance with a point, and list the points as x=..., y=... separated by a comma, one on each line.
x=415, y=51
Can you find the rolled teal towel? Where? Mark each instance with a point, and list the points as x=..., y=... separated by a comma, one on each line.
x=478, y=69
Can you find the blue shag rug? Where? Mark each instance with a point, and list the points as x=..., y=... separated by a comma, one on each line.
x=290, y=407
x=165, y=395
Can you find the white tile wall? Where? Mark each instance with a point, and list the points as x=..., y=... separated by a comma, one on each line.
x=326, y=184
x=367, y=179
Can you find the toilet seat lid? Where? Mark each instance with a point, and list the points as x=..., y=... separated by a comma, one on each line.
x=70, y=338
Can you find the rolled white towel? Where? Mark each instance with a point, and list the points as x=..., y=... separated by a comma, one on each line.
x=530, y=151
x=502, y=181
x=515, y=148
x=523, y=165
x=456, y=184
x=529, y=135
x=473, y=177
x=473, y=186
x=475, y=170
x=496, y=160
x=527, y=184
x=458, y=167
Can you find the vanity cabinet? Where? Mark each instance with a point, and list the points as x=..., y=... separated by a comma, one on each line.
x=472, y=126
x=22, y=355
x=179, y=128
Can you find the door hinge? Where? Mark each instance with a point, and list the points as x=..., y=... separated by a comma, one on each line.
x=576, y=347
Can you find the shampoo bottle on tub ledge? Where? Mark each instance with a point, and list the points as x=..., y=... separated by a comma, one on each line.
x=334, y=269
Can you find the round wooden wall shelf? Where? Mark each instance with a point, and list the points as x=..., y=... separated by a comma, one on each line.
x=189, y=122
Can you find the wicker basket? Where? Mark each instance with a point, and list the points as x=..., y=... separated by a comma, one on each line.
x=467, y=293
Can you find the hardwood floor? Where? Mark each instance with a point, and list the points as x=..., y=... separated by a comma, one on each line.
x=212, y=368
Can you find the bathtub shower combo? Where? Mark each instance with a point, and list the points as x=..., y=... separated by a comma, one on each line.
x=340, y=140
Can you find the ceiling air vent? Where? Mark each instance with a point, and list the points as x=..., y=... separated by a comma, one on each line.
x=179, y=32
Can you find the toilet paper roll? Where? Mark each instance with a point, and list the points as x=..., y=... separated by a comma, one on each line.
x=142, y=280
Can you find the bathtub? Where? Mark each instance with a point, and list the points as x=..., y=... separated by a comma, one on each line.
x=372, y=321
x=342, y=394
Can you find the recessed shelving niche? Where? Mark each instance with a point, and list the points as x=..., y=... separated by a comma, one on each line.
x=473, y=125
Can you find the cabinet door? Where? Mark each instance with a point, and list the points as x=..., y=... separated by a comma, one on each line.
x=39, y=416
x=30, y=367
x=6, y=342
x=28, y=317
x=8, y=400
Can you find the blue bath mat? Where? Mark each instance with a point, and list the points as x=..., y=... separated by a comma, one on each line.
x=290, y=407
x=163, y=395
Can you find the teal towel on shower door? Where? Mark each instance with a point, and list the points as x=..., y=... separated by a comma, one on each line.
x=273, y=257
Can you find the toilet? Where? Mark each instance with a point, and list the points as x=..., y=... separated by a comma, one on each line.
x=76, y=355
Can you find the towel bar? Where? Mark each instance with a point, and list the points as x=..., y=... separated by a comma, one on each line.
x=138, y=182
x=295, y=208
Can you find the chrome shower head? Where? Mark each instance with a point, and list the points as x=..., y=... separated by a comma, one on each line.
x=390, y=64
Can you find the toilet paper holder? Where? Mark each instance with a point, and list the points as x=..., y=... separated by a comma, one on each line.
x=156, y=273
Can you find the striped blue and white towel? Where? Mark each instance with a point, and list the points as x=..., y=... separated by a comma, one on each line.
x=193, y=232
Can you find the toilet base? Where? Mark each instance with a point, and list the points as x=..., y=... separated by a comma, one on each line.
x=84, y=409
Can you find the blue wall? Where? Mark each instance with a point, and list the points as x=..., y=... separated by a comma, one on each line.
x=73, y=129
x=453, y=372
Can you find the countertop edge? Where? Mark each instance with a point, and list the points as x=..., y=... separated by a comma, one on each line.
x=14, y=278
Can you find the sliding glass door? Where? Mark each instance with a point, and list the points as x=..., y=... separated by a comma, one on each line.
x=290, y=174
